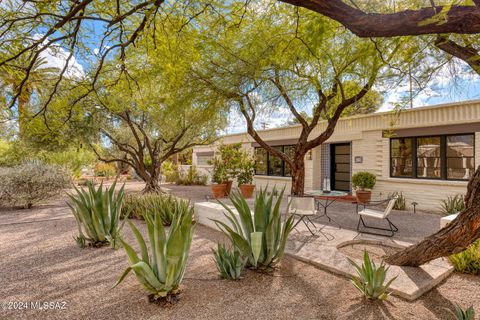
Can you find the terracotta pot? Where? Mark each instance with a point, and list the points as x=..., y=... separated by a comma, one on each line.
x=218, y=190
x=363, y=196
x=247, y=190
x=228, y=187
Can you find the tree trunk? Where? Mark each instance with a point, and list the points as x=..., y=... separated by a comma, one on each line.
x=298, y=176
x=152, y=185
x=454, y=238
x=22, y=110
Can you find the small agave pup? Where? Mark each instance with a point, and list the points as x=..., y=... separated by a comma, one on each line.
x=260, y=238
x=97, y=212
x=161, y=271
x=370, y=279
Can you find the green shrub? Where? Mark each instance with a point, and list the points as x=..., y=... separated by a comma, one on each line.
x=160, y=270
x=229, y=263
x=170, y=171
x=72, y=159
x=364, y=180
x=401, y=203
x=260, y=239
x=370, y=279
x=453, y=204
x=32, y=182
x=467, y=261
x=106, y=170
x=191, y=177
x=467, y=314
x=137, y=205
x=97, y=212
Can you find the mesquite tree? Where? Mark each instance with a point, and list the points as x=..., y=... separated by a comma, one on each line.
x=153, y=114
x=262, y=63
x=446, y=20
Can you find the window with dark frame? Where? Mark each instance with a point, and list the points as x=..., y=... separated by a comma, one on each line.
x=442, y=157
x=270, y=165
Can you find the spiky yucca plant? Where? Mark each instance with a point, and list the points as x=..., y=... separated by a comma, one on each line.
x=161, y=271
x=97, y=212
x=261, y=239
x=229, y=263
x=370, y=280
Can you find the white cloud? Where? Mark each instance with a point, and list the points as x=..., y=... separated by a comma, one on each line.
x=56, y=57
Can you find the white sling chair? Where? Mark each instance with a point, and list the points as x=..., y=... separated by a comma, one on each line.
x=378, y=215
x=304, y=208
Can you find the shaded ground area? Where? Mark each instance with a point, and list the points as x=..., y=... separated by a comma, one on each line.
x=40, y=262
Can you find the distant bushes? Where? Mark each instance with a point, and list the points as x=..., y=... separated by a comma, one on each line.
x=106, y=170
x=32, y=182
x=191, y=177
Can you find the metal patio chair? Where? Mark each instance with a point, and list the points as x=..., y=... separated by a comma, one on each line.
x=379, y=215
x=304, y=208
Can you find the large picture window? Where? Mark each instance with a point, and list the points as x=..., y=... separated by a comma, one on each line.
x=447, y=157
x=268, y=164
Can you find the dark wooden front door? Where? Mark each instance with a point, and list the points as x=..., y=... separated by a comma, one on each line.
x=340, y=170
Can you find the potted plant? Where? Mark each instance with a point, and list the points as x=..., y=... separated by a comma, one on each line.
x=230, y=157
x=245, y=176
x=219, y=188
x=363, y=182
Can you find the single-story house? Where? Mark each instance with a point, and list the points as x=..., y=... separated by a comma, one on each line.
x=427, y=153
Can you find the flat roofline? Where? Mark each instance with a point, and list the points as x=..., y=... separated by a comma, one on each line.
x=436, y=106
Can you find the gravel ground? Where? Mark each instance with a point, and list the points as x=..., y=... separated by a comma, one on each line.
x=40, y=262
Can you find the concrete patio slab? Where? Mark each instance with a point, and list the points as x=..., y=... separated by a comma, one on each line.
x=322, y=250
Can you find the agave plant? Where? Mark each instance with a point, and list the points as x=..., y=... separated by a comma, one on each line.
x=161, y=270
x=467, y=314
x=138, y=205
x=453, y=204
x=260, y=239
x=370, y=280
x=97, y=212
x=229, y=263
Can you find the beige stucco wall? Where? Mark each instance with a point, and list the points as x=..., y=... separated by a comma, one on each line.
x=365, y=134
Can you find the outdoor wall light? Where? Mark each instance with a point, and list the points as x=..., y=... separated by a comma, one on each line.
x=309, y=154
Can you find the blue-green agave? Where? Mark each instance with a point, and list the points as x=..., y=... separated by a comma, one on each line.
x=371, y=279
x=97, y=212
x=260, y=238
x=467, y=314
x=161, y=271
x=230, y=263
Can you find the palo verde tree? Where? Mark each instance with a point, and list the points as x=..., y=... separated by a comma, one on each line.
x=454, y=27
x=319, y=67
x=152, y=113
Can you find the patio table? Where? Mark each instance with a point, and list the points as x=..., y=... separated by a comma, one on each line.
x=326, y=199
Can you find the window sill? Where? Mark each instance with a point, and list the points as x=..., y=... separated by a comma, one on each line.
x=425, y=181
x=262, y=177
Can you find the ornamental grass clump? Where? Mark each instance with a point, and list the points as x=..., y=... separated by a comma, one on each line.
x=260, y=238
x=160, y=268
x=229, y=262
x=97, y=212
x=370, y=280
